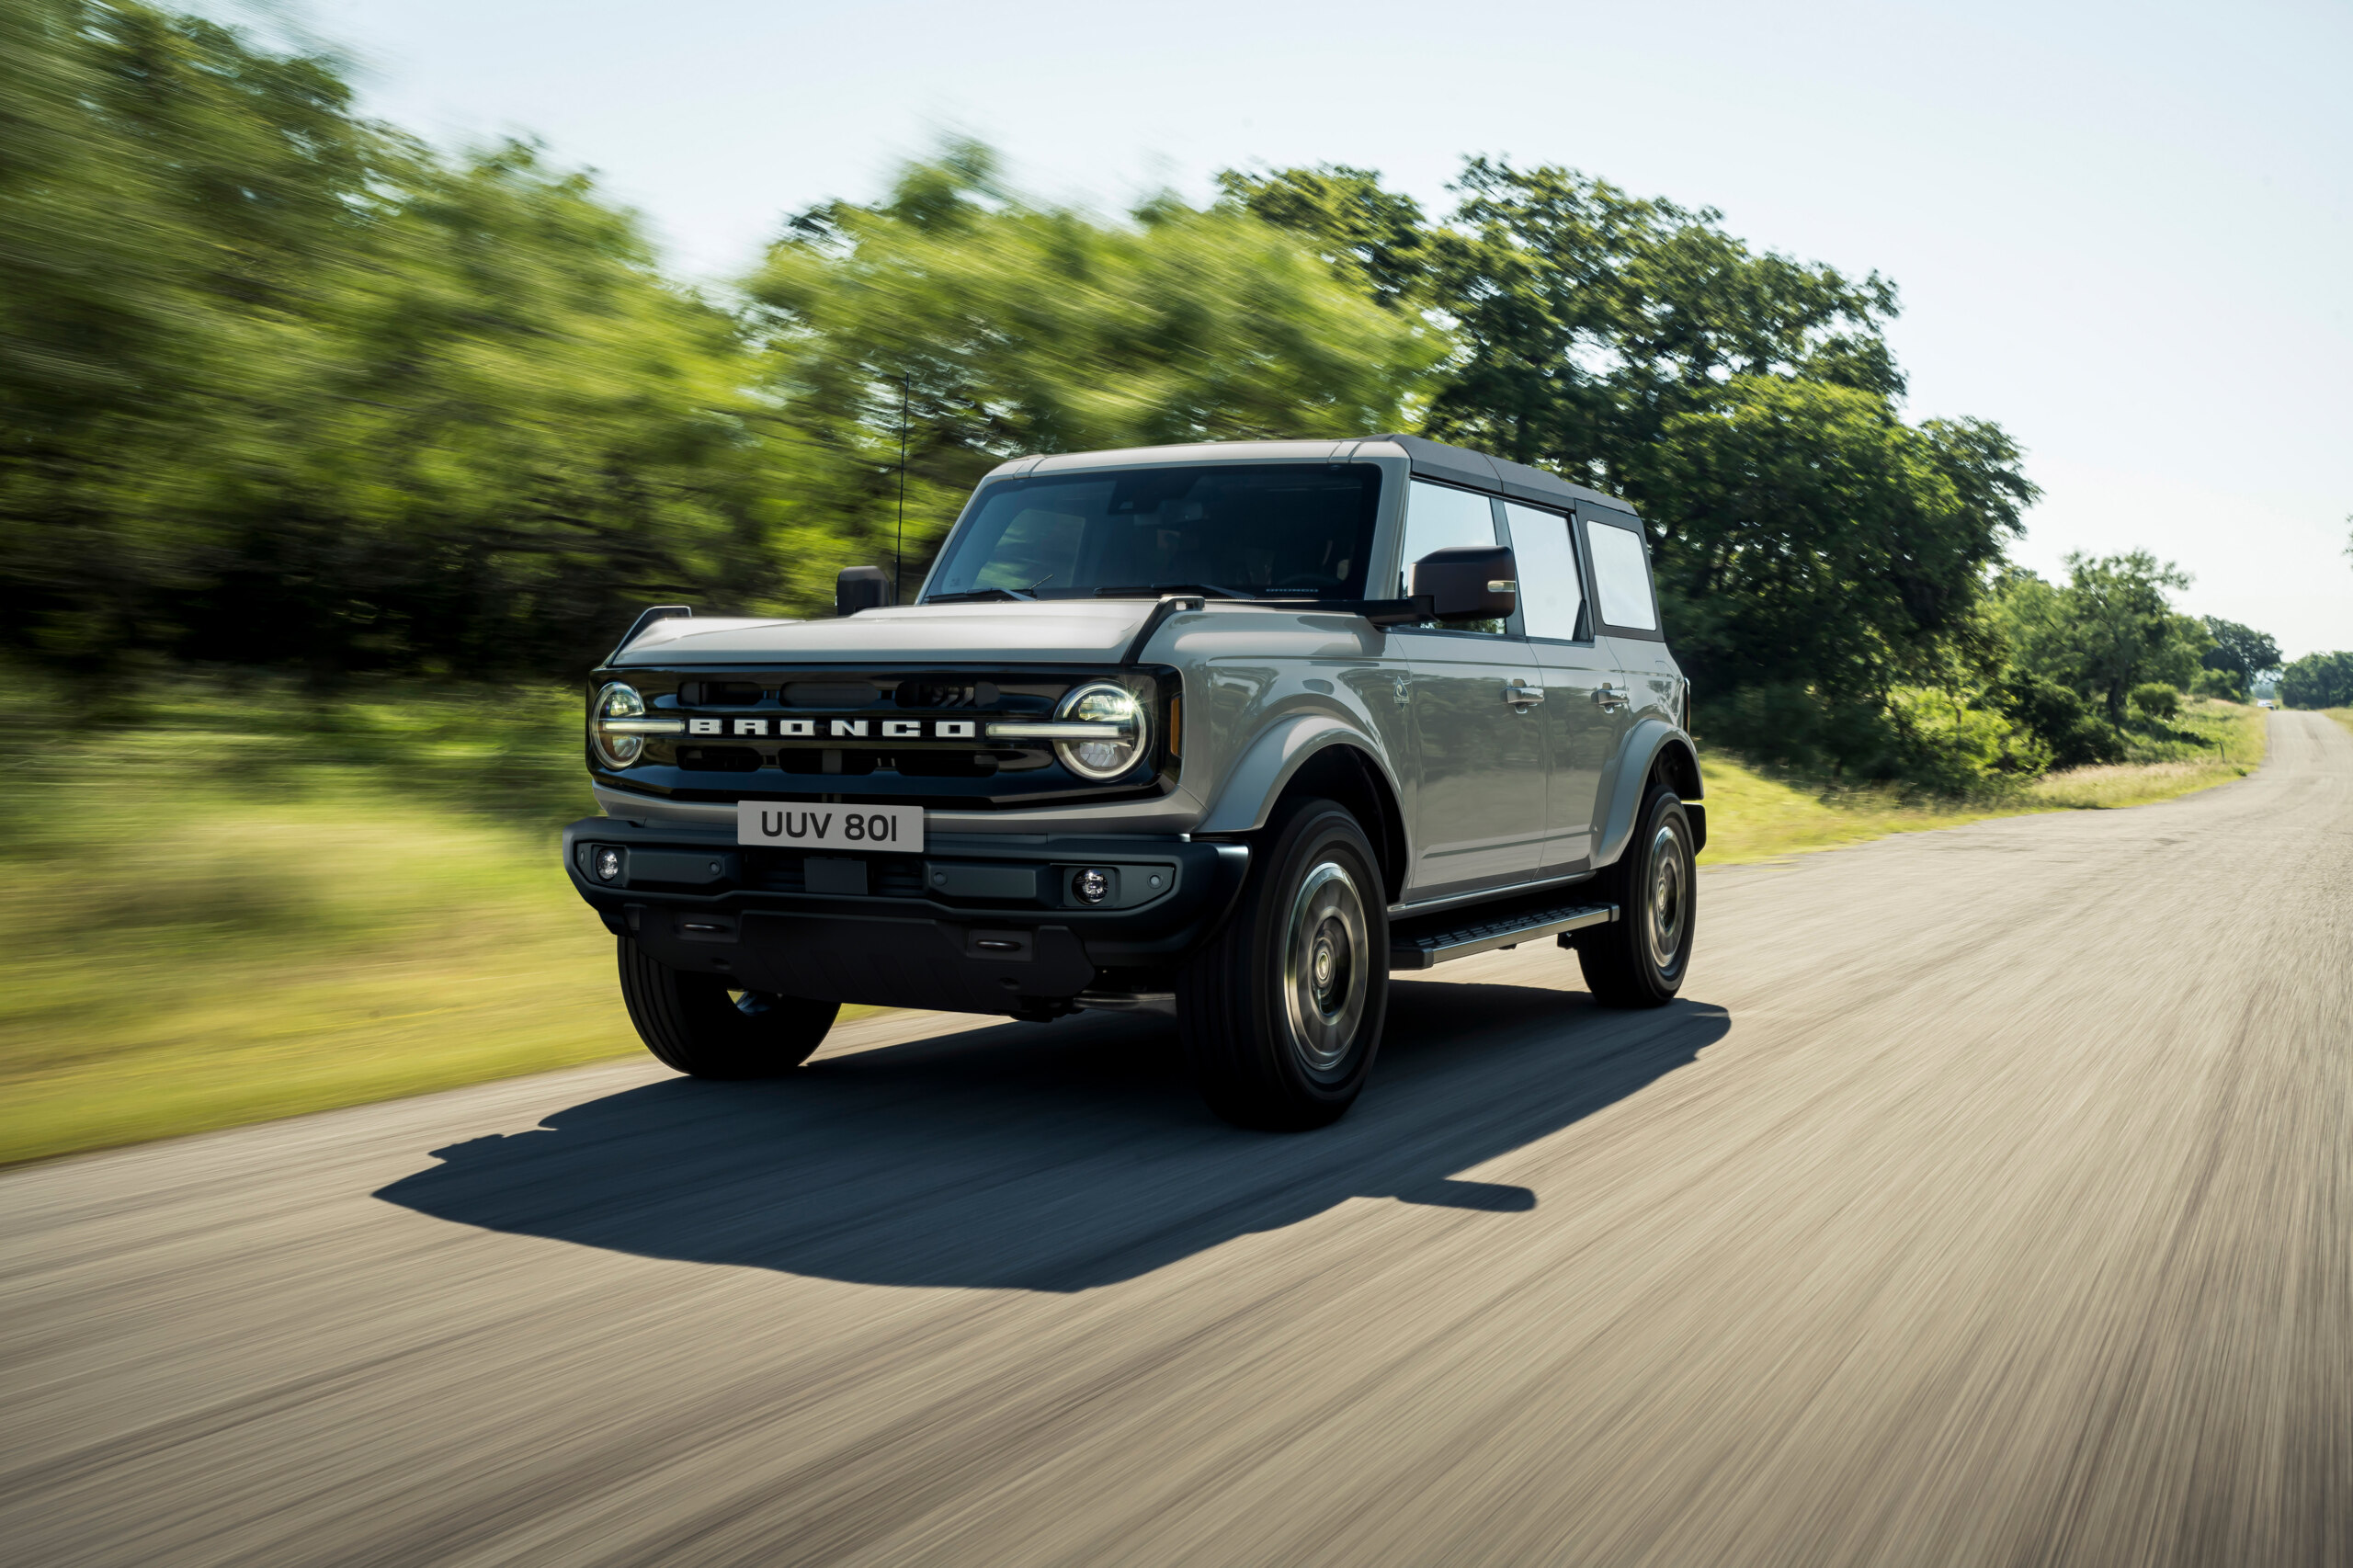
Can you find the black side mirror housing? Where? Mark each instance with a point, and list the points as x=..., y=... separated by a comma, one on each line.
x=1468, y=582
x=861, y=587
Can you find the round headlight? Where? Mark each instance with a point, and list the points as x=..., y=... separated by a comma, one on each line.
x=1125, y=730
x=616, y=701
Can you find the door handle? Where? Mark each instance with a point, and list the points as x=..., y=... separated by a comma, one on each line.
x=1610, y=696
x=1521, y=695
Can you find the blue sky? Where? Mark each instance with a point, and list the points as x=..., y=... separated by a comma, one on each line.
x=2121, y=231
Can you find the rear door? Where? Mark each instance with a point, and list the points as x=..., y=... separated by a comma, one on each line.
x=1582, y=729
x=1478, y=742
x=1625, y=606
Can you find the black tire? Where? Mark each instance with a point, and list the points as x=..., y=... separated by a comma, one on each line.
x=693, y=1025
x=1281, y=1010
x=1639, y=959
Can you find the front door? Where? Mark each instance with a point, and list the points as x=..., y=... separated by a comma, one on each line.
x=1475, y=693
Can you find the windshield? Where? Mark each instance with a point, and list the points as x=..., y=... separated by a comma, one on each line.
x=1266, y=530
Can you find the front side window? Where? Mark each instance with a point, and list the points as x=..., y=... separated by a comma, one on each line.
x=1552, y=599
x=1439, y=517
x=1261, y=531
x=1621, y=576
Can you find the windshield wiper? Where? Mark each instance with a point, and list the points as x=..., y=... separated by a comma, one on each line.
x=1153, y=590
x=968, y=595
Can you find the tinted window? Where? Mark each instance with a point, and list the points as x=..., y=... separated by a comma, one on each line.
x=1621, y=576
x=1437, y=518
x=1550, y=594
x=1261, y=530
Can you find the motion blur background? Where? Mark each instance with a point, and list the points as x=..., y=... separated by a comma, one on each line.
x=1979, y=378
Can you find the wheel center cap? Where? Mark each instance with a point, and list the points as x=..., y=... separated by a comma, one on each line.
x=1324, y=964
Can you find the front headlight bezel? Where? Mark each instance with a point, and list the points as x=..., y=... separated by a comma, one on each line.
x=619, y=722
x=1105, y=702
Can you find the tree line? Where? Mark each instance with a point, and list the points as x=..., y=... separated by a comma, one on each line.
x=282, y=386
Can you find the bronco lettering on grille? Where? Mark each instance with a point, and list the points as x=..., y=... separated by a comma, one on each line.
x=806, y=728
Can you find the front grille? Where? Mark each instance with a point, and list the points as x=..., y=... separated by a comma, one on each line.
x=718, y=759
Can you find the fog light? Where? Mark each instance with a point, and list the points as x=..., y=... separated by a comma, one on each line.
x=609, y=865
x=1092, y=886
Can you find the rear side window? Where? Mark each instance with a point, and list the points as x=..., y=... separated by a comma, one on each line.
x=1621, y=576
x=1550, y=597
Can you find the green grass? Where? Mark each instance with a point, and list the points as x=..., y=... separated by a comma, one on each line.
x=226, y=901
x=1753, y=815
x=237, y=903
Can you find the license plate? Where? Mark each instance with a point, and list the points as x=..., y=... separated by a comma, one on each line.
x=834, y=827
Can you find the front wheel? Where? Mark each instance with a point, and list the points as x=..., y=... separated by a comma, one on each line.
x=1639, y=959
x=696, y=1024
x=1281, y=1011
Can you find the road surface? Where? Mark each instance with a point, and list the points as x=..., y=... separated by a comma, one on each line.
x=1985, y=1200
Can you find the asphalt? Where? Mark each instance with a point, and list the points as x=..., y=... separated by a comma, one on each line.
x=1985, y=1200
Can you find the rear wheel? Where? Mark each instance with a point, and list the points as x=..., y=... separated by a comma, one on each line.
x=1281, y=1010
x=698, y=1025
x=1639, y=959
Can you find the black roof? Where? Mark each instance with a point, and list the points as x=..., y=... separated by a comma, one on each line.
x=1461, y=465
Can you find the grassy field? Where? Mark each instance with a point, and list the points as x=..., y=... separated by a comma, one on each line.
x=222, y=902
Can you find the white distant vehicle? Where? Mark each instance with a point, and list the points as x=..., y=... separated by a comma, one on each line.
x=2265, y=702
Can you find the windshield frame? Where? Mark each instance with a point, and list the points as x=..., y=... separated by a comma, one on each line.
x=1371, y=474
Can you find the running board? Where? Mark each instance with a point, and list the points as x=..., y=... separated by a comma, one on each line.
x=1417, y=948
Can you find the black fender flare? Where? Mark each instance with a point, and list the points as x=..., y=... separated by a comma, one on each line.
x=1653, y=746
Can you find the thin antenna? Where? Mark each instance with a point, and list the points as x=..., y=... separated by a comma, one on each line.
x=899, y=550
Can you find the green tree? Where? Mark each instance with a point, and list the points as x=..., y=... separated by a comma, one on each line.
x=1819, y=554
x=2318, y=680
x=2240, y=654
x=1011, y=328
x=2110, y=628
x=1812, y=545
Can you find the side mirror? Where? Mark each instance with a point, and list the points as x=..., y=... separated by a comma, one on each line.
x=1468, y=581
x=860, y=588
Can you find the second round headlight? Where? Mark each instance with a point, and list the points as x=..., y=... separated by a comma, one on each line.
x=1103, y=703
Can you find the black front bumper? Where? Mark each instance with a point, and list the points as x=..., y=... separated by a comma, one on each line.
x=979, y=923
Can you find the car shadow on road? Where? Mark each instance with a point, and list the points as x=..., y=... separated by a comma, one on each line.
x=1048, y=1156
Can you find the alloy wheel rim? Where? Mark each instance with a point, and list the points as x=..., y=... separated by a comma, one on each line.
x=1324, y=978
x=1668, y=904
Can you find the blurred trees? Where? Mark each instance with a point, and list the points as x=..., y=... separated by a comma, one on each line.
x=1009, y=328
x=280, y=386
x=285, y=387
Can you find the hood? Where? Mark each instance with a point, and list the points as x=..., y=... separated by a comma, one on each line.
x=1039, y=632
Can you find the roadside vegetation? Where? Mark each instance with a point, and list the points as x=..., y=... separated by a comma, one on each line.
x=225, y=899
x=228, y=901
x=1759, y=813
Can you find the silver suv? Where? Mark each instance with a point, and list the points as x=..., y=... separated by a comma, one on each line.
x=1227, y=731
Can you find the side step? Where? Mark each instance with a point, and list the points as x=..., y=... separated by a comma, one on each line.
x=1422, y=943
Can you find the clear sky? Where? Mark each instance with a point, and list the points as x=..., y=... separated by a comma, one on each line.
x=2121, y=231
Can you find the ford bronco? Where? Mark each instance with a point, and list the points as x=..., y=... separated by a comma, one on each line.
x=1231, y=731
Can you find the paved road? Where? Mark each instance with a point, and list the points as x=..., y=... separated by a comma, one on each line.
x=1986, y=1201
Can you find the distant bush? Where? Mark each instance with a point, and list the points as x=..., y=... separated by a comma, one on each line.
x=2229, y=686
x=2155, y=700
x=2059, y=717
